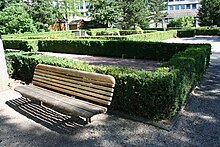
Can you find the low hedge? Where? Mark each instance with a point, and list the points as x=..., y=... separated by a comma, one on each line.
x=16, y=44
x=156, y=29
x=21, y=44
x=126, y=49
x=147, y=36
x=153, y=36
x=207, y=31
x=29, y=42
x=186, y=33
x=21, y=64
x=40, y=35
x=156, y=95
x=130, y=32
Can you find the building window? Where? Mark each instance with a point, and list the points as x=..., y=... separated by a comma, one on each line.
x=176, y=7
x=171, y=8
x=194, y=6
x=188, y=6
x=182, y=7
x=170, y=0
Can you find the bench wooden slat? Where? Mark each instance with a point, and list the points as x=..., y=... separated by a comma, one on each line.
x=55, y=103
x=73, y=93
x=95, y=109
x=71, y=89
x=68, y=83
x=99, y=84
x=72, y=72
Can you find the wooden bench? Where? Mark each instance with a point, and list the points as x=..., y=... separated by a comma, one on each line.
x=76, y=92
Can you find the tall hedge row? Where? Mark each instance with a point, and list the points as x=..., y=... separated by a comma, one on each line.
x=158, y=94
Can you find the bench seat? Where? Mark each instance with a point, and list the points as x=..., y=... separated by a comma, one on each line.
x=76, y=92
x=69, y=104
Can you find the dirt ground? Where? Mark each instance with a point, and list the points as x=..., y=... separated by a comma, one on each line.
x=93, y=60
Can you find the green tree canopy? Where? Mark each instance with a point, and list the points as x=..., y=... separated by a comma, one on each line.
x=14, y=19
x=135, y=13
x=43, y=12
x=209, y=13
x=106, y=12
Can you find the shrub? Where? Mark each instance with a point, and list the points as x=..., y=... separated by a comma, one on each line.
x=185, y=33
x=22, y=64
x=147, y=36
x=103, y=32
x=156, y=29
x=188, y=68
x=126, y=49
x=154, y=36
x=17, y=44
x=130, y=32
x=183, y=22
x=207, y=31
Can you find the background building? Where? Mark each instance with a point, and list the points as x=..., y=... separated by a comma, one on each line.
x=180, y=8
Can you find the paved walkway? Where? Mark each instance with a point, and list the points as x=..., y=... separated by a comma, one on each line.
x=198, y=124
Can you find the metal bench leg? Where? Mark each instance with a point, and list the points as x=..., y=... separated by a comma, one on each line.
x=88, y=120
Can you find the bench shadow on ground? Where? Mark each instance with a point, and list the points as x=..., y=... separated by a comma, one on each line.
x=53, y=120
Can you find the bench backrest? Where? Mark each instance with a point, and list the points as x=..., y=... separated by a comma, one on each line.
x=92, y=87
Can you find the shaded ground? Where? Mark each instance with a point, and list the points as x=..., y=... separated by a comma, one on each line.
x=198, y=124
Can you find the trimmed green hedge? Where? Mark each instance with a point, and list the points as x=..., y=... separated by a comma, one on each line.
x=154, y=36
x=125, y=49
x=29, y=42
x=40, y=35
x=17, y=44
x=154, y=95
x=21, y=64
x=130, y=32
x=20, y=44
x=146, y=36
x=207, y=31
x=185, y=33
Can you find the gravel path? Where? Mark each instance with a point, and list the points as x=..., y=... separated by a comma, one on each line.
x=198, y=124
x=94, y=60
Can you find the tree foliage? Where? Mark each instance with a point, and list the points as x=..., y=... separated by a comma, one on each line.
x=106, y=12
x=183, y=22
x=43, y=13
x=135, y=13
x=128, y=13
x=14, y=19
x=5, y=3
x=209, y=13
x=156, y=7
